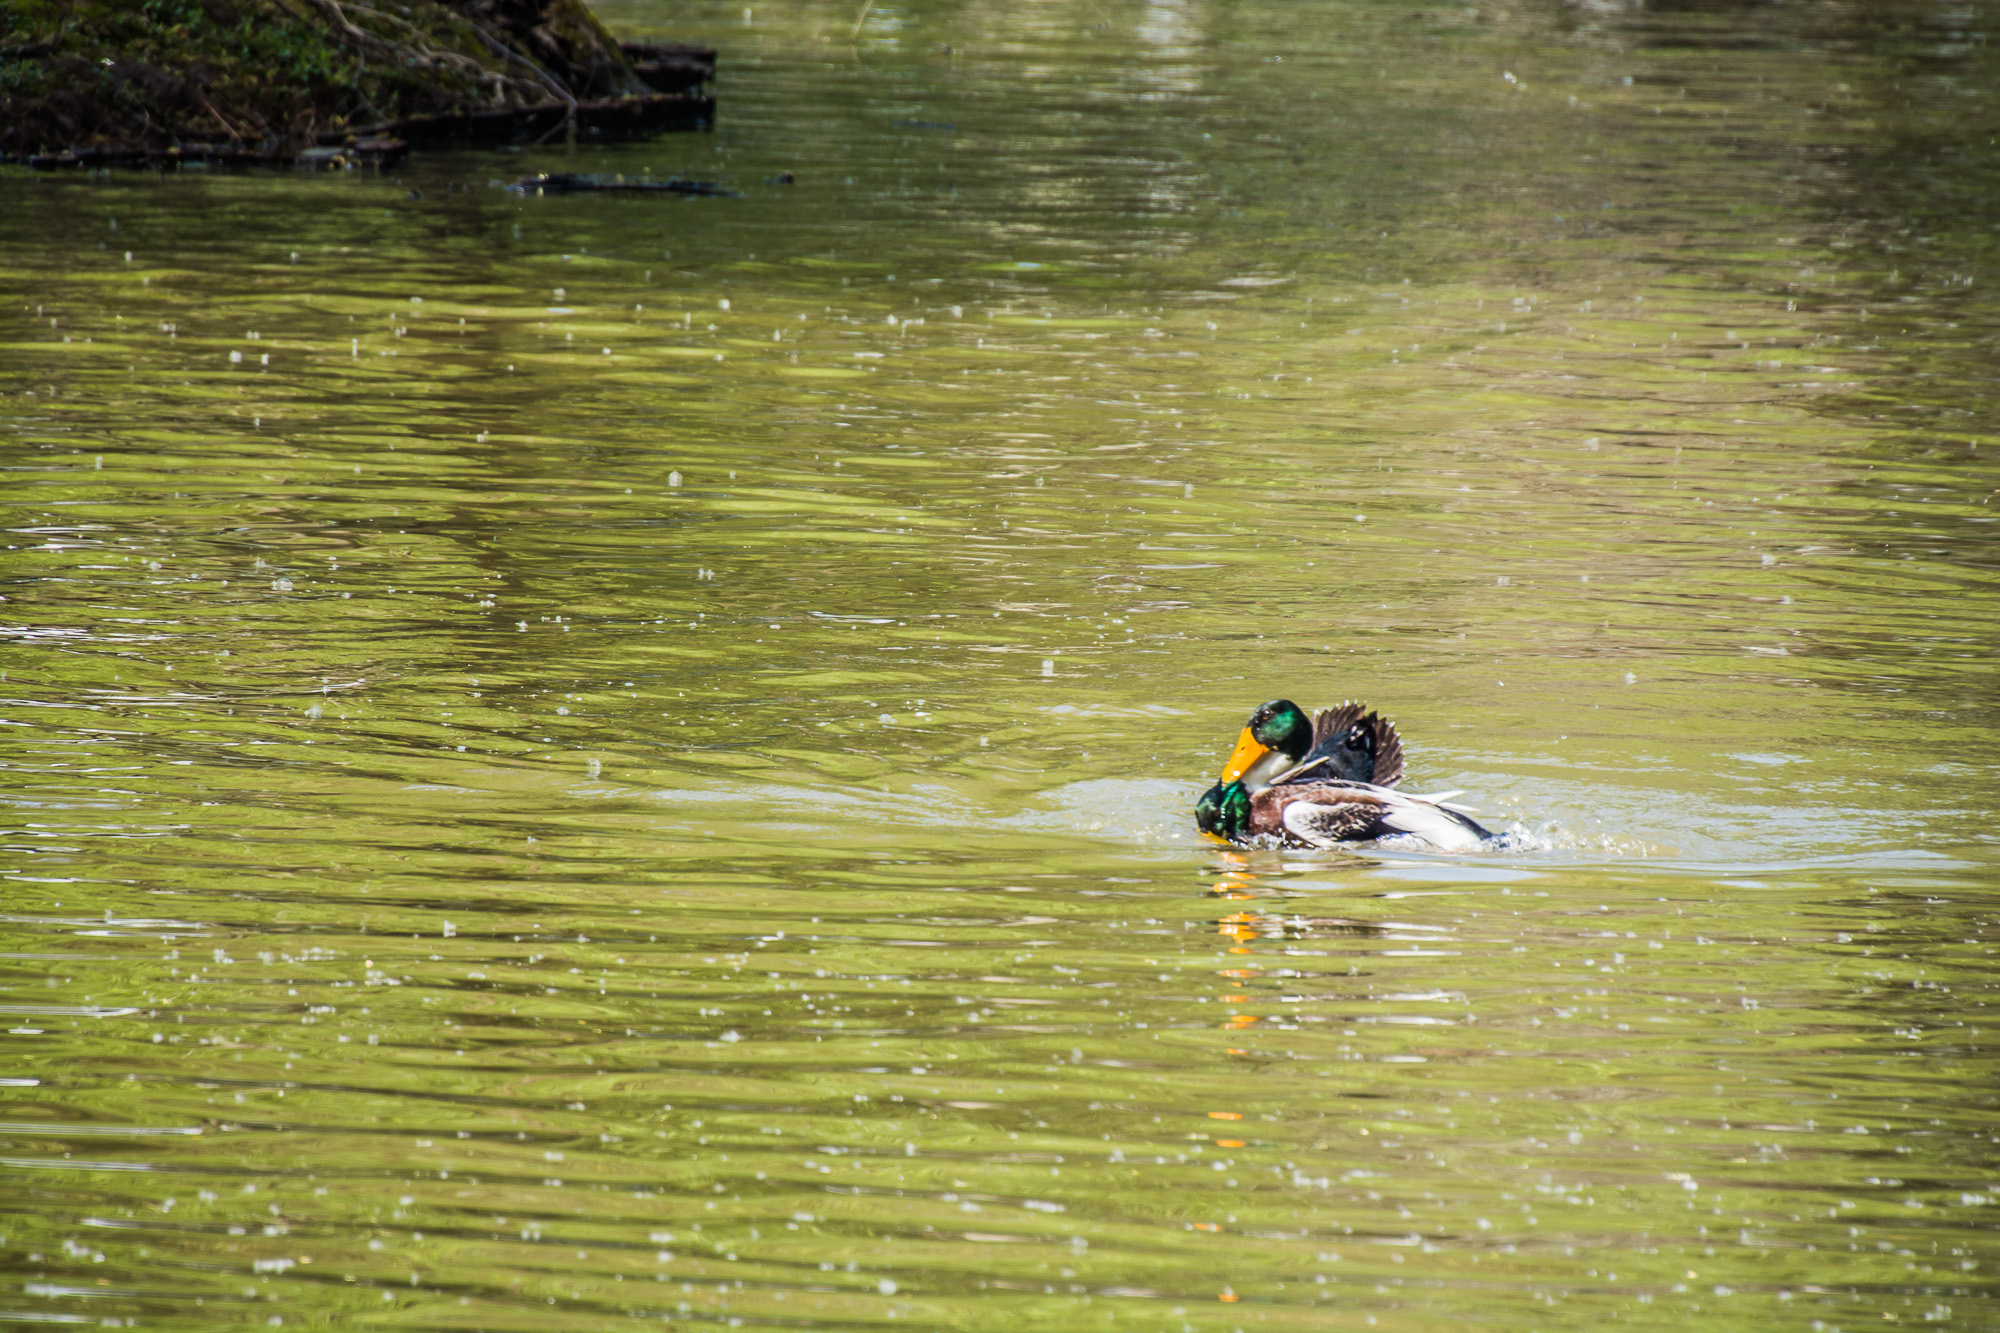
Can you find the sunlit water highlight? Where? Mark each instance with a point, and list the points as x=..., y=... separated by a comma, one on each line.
x=582, y=762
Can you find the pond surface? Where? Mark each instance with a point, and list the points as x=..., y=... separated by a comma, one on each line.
x=583, y=762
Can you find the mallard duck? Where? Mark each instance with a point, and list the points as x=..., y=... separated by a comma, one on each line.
x=1294, y=783
x=1348, y=742
x=1309, y=812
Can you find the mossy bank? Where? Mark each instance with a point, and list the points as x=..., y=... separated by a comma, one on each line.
x=270, y=79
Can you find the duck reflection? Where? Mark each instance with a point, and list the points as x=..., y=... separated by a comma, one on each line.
x=1246, y=878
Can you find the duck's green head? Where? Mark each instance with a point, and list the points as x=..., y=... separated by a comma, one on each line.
x=1276, y=737
x=1224, y=811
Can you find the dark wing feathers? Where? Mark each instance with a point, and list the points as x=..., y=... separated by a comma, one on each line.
x=1379, y=759
x=1330, y=724
x=1388, y=752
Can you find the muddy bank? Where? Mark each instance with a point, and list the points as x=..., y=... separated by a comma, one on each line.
x=98, y=82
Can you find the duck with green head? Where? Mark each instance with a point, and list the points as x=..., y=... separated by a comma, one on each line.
x=1293, y=784
x=1348, y=742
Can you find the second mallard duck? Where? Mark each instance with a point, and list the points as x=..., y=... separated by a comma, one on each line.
x=1294, y=783
x=1348, y=742
x=1325, y=814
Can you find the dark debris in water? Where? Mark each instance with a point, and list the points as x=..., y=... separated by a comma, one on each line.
x=575, y=182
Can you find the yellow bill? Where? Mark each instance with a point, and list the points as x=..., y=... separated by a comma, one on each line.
x=1248, y=751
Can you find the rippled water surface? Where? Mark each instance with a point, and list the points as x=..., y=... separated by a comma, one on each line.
x=583, y=762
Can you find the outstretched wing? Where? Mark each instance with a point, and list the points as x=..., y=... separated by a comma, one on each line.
x=1353, y=744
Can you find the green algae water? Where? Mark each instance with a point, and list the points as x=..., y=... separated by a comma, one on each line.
x=594, y=762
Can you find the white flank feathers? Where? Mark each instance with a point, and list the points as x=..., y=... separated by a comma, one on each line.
x=1321, y=823
x=1435, y=824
